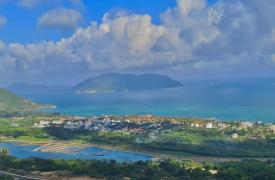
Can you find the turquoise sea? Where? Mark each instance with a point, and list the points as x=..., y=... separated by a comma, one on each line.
x=224, y=101
x=235, y=101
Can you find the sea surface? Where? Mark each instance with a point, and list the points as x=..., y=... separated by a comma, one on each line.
x=230, y=101
x=20, y=150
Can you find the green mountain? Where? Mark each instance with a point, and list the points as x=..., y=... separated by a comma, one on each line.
x=120, y=82
x=11, y=102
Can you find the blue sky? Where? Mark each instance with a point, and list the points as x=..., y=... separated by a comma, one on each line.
x=58, y=40
x=22, y=22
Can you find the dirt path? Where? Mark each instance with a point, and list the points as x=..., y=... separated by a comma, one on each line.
x=20, y=176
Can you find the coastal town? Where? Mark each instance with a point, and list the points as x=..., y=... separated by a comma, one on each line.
x=148, y=123
x=149, y=133
x=158, y=138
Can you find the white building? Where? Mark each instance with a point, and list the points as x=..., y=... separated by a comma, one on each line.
x=57, y=122
x=235, y=136
x=209, y=125
x=41, y=124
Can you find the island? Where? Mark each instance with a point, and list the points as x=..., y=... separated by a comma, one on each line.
x=115, y=82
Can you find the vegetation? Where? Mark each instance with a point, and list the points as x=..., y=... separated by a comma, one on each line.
x=168, y=169
x=258, y=141
x=11, y=102
x=219, y=148
x=179, y=141
x=119, y=82
x=175, y=141
x=18, y=126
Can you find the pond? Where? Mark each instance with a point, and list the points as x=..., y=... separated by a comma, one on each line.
x=20, y=150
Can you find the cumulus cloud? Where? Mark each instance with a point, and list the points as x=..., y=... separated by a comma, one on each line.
x=3, y=21
x=62, y=18
x=31, y=3
x=187, y=6
x=193, y=34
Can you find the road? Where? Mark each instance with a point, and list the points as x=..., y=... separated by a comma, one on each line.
x=20, y=176
x=214, y=159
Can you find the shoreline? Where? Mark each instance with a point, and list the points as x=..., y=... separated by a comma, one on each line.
x=153, y=155
x=107, y=147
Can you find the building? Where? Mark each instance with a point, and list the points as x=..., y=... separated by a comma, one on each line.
x=272, y=128
x=209, y=125
x=41, y=124
x=235, y=136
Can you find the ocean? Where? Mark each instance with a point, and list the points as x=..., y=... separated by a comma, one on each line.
x=235, y=101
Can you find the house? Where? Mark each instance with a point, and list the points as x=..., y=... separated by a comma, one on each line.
x=245, y=125
x=209, y=125
x=57, y=122
x=41, y=124
x=223, y=125
x=235, y=136
x=272, y=128
x=88, y=124
x=197, y=125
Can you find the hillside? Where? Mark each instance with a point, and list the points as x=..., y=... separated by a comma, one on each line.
x=12, y=102
x=120, y=82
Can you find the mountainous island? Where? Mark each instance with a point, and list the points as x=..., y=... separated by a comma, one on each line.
x=115, y=82
x=11, y=102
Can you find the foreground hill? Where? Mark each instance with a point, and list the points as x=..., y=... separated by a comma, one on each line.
x=12, y=102
x=120, y=82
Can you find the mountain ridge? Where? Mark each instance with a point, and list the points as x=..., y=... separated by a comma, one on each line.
x=114, y=82
x=11, y=102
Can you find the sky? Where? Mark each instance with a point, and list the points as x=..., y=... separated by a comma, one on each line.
x=66, y=41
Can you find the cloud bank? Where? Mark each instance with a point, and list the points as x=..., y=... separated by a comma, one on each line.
x=62, y=18
x=192, y=35
x=31, y=3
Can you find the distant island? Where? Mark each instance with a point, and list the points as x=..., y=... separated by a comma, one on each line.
x=10, y=102
x=116, y=82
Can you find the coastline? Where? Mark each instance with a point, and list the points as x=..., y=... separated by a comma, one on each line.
x=154, y=156
x=73, y=143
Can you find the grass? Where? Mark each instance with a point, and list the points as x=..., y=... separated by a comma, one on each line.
x=11, y=102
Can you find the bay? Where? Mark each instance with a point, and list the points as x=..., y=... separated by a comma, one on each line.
x=230, y=102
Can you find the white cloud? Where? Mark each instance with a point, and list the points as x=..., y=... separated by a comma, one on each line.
x=193, y=34
x=62, y=18
x=31, y=3
x=137, y=31
x=3, y=21
x=187, y=6
x=193, y=21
